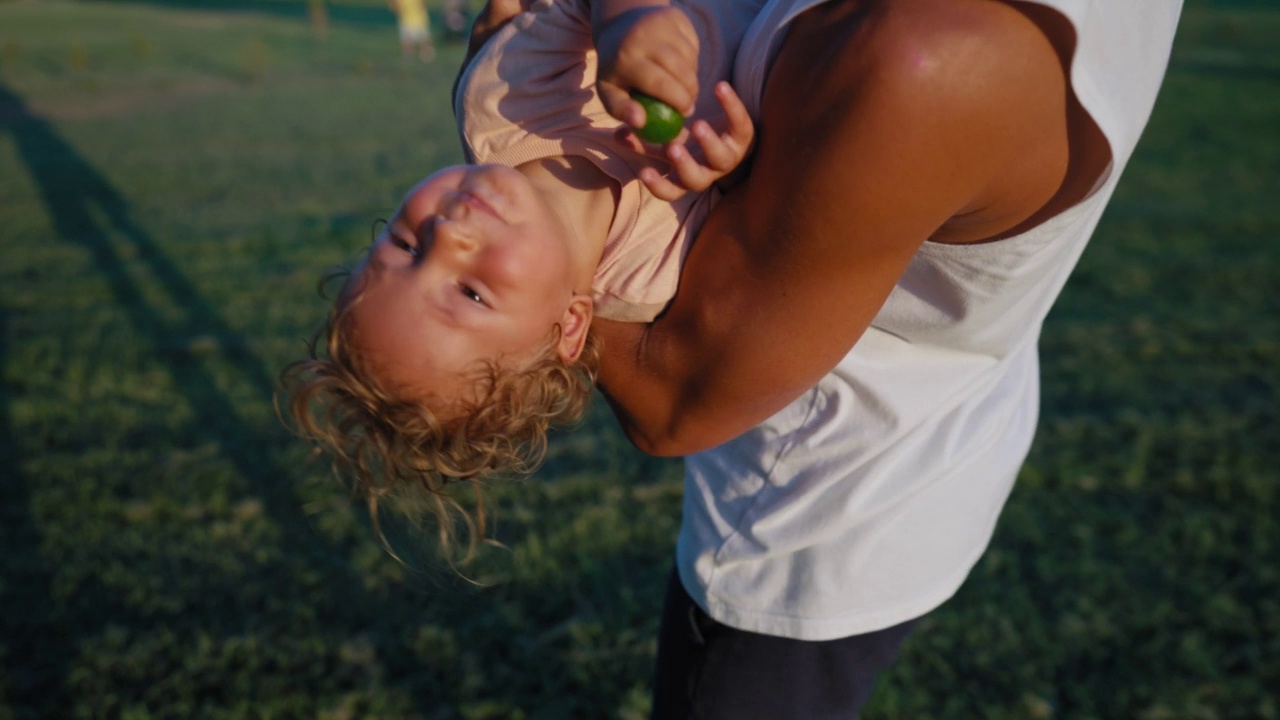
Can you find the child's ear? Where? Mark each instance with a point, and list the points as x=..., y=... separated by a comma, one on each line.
x=574, y=325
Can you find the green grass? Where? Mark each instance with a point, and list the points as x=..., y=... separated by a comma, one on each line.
x=175, y=178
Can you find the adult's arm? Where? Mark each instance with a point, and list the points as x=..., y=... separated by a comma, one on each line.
x=885, y=123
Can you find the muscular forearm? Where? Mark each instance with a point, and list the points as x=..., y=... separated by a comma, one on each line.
x=742, y=339
x=661, y=378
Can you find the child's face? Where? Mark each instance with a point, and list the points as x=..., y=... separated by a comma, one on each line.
x=473, y=266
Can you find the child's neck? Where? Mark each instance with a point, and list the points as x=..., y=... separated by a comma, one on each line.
x=586, y=199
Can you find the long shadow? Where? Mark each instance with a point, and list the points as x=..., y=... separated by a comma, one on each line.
x=87, y=211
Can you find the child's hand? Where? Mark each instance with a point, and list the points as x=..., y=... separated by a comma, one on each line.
x=653, y=49
x=721, y=153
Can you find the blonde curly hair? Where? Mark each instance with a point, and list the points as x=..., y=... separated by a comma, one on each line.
x=390, y=445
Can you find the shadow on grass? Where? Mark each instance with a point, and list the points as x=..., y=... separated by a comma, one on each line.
x=33, y=650
x=43, y=632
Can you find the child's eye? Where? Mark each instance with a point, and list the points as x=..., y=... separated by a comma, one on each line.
x=472, y=295
x=405, y=246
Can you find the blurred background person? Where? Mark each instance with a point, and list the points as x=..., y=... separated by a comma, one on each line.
x=415, y=29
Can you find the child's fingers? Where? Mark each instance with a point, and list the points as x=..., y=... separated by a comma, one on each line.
x=679, y=90
x=673, y=57
x=673, y=83
x=692, y=174
x=661, y=187
x=618, y=103
x=722, y=153
x=627, y=136
x=741, y=128
x=718, y=153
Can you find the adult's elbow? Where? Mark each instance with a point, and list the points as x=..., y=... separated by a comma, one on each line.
x=659, y=446
x=672, y=439
x=650, y=440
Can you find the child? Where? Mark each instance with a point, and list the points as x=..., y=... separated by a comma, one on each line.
x=465, y=333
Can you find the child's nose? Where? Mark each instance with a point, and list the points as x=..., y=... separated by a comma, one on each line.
x=455, y=237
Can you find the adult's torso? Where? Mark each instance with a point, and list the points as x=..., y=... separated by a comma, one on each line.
x=867, y=500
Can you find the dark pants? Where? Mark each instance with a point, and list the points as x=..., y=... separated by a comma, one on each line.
x=710, y=671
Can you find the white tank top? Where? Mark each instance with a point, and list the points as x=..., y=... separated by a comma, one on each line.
x=866, y=501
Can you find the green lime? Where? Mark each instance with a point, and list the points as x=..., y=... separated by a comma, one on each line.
x=662, y=123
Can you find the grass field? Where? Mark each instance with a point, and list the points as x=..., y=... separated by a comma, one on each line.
x=175, y=178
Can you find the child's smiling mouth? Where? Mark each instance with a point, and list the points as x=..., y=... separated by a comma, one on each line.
x=478, y=203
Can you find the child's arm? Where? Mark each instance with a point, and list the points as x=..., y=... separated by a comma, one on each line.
x=492, y=16
x=645, y=45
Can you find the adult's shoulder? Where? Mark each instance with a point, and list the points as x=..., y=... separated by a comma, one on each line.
x=976, y=87
x=946, y=46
